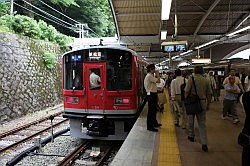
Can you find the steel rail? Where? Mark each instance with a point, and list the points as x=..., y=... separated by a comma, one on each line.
x=28, y=125
x=31, y=136
x=74, y=154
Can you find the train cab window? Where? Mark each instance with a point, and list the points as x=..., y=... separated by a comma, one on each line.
x=73, y=69
x=119, y=70
x=94, y=79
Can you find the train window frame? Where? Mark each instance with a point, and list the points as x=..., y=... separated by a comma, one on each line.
x=73, y=69
x=119, y=70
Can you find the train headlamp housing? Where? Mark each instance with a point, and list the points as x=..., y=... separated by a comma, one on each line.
x=122, y=100
x=72, y=100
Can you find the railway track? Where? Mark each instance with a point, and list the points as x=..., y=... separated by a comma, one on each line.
x=82, y=155
x=22, y=134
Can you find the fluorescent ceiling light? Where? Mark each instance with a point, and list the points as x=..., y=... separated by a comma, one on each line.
x=238, y=31
x=206, y=44
x=184, y=53
x=164, y=35
x=165, y=9
x=174, y=57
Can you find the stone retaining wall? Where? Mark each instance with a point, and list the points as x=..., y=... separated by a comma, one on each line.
x=26, y=84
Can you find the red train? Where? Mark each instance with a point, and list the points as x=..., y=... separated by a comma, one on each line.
x=107, y=110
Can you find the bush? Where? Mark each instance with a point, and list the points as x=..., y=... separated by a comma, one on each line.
x=49, y=59
x=4, y=8
x=27, y=26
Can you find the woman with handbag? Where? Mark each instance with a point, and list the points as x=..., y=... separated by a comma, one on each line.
x=246, y=130
x=198, y=85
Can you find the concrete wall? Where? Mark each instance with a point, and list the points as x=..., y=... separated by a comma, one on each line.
x=26, y=84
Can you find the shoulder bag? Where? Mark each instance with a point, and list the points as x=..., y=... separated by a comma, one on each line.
x=192, y=102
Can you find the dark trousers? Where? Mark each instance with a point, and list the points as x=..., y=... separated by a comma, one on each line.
x=152, y=110
x=245, y=157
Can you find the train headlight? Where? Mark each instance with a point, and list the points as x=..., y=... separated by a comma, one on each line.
x=72, y=100
x=122, y=101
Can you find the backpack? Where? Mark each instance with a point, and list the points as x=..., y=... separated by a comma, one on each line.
x=183, y=90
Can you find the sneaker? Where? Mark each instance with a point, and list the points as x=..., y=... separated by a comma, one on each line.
x=177, y=124
x=223, y=117
x=229, y=115
x=158, y=125
x=204, y=148
x=236, y=121
x=153, y=129
x=191, y=139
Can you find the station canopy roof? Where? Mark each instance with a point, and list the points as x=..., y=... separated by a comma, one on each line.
x=139, y=25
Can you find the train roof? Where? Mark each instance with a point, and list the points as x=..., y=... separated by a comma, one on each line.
x=117, y=47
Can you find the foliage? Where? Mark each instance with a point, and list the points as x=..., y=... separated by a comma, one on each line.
x=27, y=26
x=65, y=3
x=49, y=59
x=4, y=8
x=96, y=13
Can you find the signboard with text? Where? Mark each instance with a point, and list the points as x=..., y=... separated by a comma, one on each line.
x=201, y=60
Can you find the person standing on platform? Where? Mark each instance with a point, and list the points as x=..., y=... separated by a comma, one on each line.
x=151, y=90
x=246, y=128
x=177, y=101
x=230, y=98
x=237, y=80
x=212, y=82
x=247, y=82
x=217, y=90
x=204, y=92
x=161, y=95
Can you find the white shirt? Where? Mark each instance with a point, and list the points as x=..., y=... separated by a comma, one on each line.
x=211, y=81
x=247, y=81
x=94, y=80
x=161, y=84
x=176, y=85
x=150, y=83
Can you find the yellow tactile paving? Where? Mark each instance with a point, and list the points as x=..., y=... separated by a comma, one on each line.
x=168, y=152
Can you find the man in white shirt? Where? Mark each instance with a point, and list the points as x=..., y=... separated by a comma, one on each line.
x=94, y=79
x=151, y=89
x=178, y=104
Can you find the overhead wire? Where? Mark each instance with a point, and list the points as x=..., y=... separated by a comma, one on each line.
x=47, y=13
x=43, y=16
x=58, y=11
x=56, y=17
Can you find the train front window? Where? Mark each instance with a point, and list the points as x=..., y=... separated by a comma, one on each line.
x=119, y=70
x=73, y=70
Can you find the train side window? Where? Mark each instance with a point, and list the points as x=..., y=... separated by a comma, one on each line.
x=94, y=79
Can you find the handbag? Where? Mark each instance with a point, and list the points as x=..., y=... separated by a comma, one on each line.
x=192, y=103
x=244, y=140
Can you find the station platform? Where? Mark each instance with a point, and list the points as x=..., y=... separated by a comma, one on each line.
x=170, y=146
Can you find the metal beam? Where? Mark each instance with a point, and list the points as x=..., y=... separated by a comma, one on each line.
x=205, y=17
x=115, y=19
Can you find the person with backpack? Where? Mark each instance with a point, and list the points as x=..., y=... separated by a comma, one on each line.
x=177, y=97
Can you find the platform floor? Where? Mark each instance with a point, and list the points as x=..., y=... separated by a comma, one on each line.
x=170, y=146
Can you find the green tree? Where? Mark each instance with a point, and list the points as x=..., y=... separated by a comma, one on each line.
x=96, y=13
x=4, y=8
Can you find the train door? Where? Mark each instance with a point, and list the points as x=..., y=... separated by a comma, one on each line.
x=95, y=86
